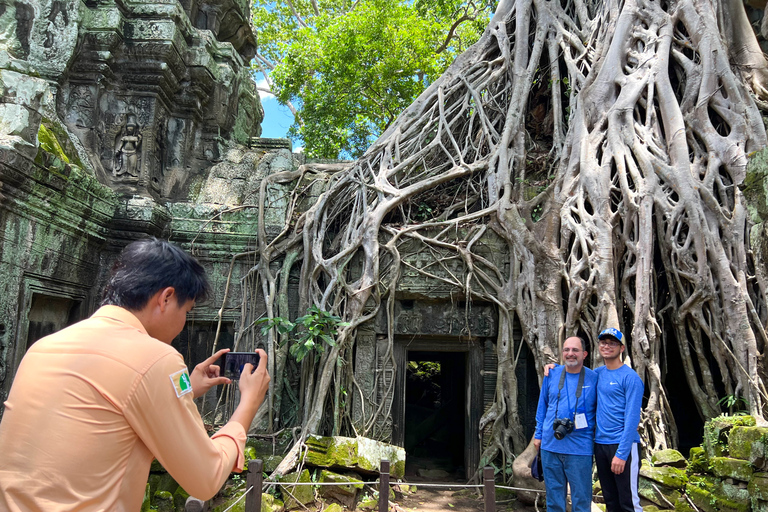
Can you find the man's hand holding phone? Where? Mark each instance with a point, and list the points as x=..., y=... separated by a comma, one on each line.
x=206, y=375
x=254, y=385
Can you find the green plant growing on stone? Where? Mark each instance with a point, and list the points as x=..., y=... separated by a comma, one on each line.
x=736, y=405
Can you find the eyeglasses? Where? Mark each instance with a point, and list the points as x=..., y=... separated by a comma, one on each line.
x=609, y=343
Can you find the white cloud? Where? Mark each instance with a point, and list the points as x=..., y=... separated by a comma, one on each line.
x=262, y=84
x=299, y=149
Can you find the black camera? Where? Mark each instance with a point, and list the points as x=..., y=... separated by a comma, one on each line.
x=562, y=427
x=233, y=362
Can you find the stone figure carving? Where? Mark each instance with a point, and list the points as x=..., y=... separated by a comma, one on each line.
x=127, y=145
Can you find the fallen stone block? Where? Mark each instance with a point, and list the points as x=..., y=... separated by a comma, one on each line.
x=726, y=467
x=347, y=490
x=717, y=431
x=750, y=444
x=360, y=453
x=670, y=477
x=297, y=495
x=668, y=458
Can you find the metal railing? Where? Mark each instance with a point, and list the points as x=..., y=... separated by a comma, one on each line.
x=255, y=480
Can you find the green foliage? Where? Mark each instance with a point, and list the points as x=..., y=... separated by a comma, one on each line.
x=424, y=370
x=351, y=67
x=736, y=405
x=318, y=326
x=316, y=329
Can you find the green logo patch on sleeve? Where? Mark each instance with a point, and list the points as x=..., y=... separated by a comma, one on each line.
x=181, y=382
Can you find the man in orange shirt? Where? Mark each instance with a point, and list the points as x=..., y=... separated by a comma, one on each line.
x=93, y=404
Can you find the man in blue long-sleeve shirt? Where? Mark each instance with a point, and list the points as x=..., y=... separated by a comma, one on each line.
x=569, y=394
x=620, y=398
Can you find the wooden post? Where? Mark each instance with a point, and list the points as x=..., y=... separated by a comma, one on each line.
x=254, y=481
x=489, y=489
x=384, y=486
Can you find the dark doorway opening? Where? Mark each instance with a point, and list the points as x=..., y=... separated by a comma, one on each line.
x=435, y=405
x=48, y=314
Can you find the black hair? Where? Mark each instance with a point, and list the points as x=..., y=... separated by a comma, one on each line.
x=147, y=266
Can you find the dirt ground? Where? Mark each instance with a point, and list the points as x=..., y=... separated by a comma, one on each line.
x=427, y=499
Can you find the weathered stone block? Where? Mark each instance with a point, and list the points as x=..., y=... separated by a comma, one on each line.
x=180, y=497
x=270, y=504
x=682, y=505
x=163, y=502
x=725, y=467
x=231, y=505
x=658, y=494
x=297, y=495
x=698, y=462
x=668, y=458
x=670, y=477
x=368, y=504
x=758, y=486
x=355, y=453
x=751, y=444
x=706, y=494
x=347, y=490
x=717, y=431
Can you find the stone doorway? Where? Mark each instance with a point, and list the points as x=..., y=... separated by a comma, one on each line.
x=438, y=404
x=435, y=401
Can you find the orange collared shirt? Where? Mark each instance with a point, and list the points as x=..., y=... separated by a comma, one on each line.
x=90, y=407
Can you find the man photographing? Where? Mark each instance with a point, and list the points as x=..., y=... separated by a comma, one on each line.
x=565, y=429
x=93, y=404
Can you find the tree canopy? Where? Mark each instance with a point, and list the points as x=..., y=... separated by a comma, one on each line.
x=347, y=69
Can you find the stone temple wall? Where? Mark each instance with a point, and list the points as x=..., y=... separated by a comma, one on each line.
x=113, y=115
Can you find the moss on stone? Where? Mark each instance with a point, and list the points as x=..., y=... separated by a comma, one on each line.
x=726, y=467
x=670, y=477
x=750, y=444
x=55, y=141
x=657, y=493
x=682, y=505
x=146, y=503
x=50, y=144
x=758, y=486
x=668, y=458
x=298, y=494
x=368, y=503
x=717, y=431
x=270, y=504
x=707, y=494
x=333, y=507
x=162, y=501
x=698, y=462
x=180, y=498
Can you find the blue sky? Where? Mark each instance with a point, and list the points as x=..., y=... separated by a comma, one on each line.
x=277, y=118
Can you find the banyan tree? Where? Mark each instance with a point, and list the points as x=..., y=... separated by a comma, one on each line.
x=606, y=143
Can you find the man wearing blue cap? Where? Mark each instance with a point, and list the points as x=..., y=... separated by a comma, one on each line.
x=565, y=428
x=620, y=399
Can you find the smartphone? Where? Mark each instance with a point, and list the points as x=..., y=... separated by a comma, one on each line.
x=232, y=363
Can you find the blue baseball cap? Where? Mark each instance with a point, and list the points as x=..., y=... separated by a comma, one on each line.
x=612, y=332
